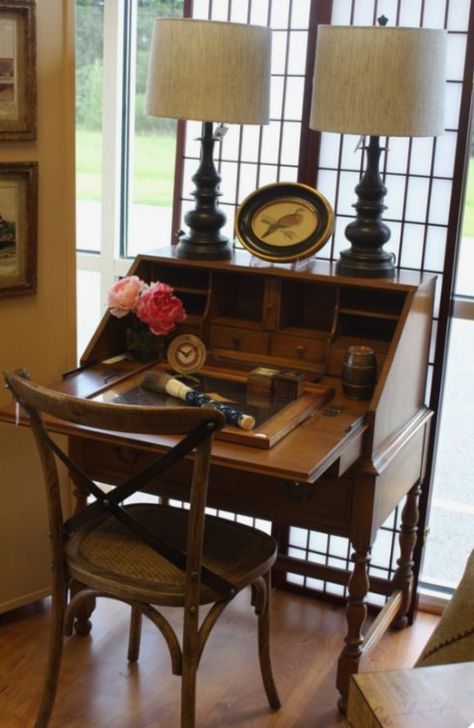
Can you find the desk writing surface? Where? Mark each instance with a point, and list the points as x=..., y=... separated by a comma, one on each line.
x=274, y=416
x=302, y=455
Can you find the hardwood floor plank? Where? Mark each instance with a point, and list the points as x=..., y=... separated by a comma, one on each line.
x=99, y=689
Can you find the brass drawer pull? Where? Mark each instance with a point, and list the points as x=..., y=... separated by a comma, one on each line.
x=300, y=351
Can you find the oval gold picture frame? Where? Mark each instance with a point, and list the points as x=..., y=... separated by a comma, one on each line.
x=284, y=222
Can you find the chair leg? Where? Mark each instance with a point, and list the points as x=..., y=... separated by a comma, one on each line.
x=135, y=634
x=261, y=600
x=188, y=691
x=54, y=658
x=190, y=666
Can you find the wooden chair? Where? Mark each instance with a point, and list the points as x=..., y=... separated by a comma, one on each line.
x=146, y=554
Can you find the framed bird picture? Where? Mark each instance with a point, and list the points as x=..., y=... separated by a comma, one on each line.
x=284, y=222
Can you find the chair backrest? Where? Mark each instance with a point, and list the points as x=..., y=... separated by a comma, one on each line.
x=195, y=426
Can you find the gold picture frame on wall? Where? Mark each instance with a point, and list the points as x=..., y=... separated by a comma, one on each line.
x=18, y=228
x=17, y=69
x=284, y=222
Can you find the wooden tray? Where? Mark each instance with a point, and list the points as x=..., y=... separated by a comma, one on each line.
x=274, y=419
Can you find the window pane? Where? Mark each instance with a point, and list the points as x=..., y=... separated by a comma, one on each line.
x=452, y=508
x=465, y=278
x=452, y=511
x=88, y=307
x=89, y=67
x=154, y=148
x=458, y=15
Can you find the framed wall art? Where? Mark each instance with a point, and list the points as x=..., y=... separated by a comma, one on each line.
x=284, y=222
x=18, y=228
x=17, y=69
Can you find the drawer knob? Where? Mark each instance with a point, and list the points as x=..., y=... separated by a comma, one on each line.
x=236, y=342
x=300, y=351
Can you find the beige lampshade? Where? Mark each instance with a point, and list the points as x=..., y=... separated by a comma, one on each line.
x=209, y=71
x=379, y=81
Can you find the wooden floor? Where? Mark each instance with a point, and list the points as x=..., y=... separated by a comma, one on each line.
x=98, y=689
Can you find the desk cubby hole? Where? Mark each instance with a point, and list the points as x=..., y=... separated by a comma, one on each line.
x=362, y=326
x=194, y=303
x=307, y=306
x=238, y=297
x=182, y=279
x=383, y=303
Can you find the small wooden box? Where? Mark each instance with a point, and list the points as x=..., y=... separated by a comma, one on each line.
x=289, y=384
x=260, y=381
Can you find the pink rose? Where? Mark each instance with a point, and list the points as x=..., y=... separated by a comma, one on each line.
x=123, y=296
x=160, y=309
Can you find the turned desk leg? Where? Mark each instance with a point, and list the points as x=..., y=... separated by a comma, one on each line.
x=356, y=613
x=404, y=575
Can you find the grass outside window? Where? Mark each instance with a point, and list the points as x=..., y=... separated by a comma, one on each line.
x=153, y=168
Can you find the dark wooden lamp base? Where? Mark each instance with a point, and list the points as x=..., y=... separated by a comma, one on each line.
x=204, y=240
x=362, y=263
x=367, y=233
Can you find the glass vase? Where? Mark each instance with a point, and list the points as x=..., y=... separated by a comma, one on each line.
x=142, y=345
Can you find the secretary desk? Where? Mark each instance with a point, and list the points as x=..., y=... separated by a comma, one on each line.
x=325, y=462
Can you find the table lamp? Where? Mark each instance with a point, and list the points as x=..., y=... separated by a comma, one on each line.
x=377, y=81
x=208, y=71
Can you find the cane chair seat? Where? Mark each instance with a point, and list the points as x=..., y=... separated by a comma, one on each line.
x=107, y=556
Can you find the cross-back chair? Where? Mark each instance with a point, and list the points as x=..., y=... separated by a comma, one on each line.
x=146, y=554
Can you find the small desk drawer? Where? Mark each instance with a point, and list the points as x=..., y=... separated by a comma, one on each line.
x=298, y=347
x=239, y=339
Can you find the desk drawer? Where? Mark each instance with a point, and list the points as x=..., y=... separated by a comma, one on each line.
x=239, y=339
x=301, y=348
x=324, y=505
x=112, y=464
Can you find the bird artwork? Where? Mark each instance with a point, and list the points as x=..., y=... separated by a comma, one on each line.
x=284, y=224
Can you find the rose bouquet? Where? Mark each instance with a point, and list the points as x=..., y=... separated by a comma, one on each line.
x=154, y=305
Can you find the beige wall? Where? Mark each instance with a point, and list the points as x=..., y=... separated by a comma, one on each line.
x=38, y=331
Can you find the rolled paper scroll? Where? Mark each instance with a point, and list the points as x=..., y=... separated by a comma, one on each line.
x=162, y=382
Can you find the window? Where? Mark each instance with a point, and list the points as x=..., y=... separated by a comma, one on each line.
x=128, y=210
x=125, y=178
x=451, y=522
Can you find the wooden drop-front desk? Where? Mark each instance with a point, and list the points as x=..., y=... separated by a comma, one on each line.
x=349, y=464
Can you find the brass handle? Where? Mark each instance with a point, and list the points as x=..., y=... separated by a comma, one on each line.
x=300, y=351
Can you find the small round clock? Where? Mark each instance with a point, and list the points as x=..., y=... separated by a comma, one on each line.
x=186, y=354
